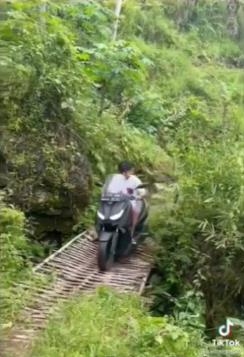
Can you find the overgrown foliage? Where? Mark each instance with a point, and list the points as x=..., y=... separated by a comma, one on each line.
x=75, y=102
x=200, y=231
x=14, y=250
x=122, y=328
x=65, y=91
x=63, y=97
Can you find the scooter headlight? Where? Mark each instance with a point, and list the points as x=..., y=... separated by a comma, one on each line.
x=100, y=215
x=117, y=215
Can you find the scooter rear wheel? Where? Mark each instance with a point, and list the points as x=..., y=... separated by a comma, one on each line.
x=105, y=251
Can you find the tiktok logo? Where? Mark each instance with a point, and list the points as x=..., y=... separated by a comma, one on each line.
x=225, y=330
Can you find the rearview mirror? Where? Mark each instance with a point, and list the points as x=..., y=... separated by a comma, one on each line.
x=98, y=184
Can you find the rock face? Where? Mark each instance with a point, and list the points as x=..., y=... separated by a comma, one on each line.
x=47, y=176
x=43, y=165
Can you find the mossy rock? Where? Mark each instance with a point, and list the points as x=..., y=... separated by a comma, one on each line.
x=47, y=176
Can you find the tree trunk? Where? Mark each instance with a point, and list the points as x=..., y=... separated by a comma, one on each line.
x=185, y=12
x=232, y=22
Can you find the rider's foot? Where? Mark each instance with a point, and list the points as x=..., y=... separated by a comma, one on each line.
x=92, y=235
x=133, y=241
x=122, y=259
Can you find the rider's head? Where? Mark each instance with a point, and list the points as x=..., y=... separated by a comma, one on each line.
x=126, y=168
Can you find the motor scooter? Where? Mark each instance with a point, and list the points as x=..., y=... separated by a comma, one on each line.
x=113, y=226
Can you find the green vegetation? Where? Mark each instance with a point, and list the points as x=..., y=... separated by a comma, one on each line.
x=167, y=94
x=15, y=253
x=14, y=249
x=64, y=92
x=109, y=324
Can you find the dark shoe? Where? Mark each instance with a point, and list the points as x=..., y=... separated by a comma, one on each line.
x=122, y=259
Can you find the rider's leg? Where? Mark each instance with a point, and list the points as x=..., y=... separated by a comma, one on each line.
x=137, y=207
x=135, y=217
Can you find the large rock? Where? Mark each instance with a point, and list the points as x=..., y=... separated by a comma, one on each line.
x=47, y=176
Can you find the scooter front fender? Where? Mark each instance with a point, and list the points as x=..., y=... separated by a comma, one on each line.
x=105, y=236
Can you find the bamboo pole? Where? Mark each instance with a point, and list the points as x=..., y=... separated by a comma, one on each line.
x=117, y=12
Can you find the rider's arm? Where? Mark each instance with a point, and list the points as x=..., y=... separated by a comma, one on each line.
x=140, y=192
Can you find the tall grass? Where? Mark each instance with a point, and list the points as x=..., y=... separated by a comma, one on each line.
x=108, y=324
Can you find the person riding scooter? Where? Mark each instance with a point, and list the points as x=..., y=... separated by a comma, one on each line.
x=126, y=182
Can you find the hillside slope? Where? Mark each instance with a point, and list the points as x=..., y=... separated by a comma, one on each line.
x=168, y=94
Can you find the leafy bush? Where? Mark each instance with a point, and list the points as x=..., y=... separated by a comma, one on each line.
x=16, y=252
x=201, y=233
x=14, y=249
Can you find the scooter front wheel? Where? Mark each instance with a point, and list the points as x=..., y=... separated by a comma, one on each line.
x=105, y=251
